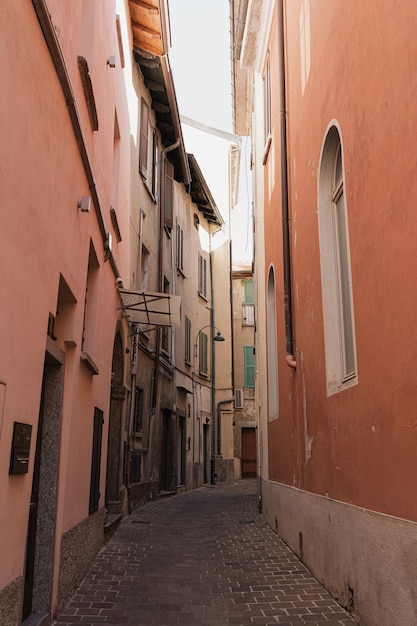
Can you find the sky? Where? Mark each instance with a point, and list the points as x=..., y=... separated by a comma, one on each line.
x=200, y=60
x=201, y=69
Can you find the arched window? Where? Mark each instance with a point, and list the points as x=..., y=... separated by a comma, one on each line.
x=338, y=319
x=273, y=404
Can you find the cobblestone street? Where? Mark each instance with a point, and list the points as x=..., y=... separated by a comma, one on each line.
x=204, y=557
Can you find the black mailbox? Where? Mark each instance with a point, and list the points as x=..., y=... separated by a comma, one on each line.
x=19, y=458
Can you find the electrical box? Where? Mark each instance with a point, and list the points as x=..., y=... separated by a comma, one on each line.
x=19, y=458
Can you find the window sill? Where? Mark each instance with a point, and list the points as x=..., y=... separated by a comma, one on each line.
x=89, y=363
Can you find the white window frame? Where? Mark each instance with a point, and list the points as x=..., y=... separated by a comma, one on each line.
x=337, y=292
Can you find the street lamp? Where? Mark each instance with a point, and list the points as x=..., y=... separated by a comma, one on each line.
x=217, y=337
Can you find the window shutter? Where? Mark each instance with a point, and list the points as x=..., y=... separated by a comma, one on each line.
x=168, y=195
x=249, y=361
x=249, y=295
x=203, y=341
x=187, y=340
x=143, y=142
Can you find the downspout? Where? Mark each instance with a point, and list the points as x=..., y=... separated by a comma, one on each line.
x=289, y=347
x=213, y=368
x=164, y=152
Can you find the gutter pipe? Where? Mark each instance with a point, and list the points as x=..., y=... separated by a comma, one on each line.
x=289, y=358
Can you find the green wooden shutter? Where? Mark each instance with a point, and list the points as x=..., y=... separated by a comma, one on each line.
x=249, y=364
x=249, y=294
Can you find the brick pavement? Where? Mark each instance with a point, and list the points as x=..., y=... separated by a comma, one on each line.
x=204, y=557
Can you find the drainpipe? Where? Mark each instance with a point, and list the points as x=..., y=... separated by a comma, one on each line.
x=213, y=365
x=164, y=152
x=290, y=360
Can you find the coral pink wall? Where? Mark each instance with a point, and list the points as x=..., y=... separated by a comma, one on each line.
x=357, y=446
x=43, y=235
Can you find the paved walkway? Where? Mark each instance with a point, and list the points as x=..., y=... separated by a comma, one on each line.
x=205, y=557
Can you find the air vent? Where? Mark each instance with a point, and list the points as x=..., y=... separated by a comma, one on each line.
x=238, y=398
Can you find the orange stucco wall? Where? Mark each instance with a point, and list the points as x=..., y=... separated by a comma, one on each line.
x=43, y=235
x=358, y=445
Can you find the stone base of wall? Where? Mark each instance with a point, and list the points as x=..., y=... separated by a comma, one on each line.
x=224, y=471
x=79, y=547
x=10, y=602
x=367, y=560
x=142, y=493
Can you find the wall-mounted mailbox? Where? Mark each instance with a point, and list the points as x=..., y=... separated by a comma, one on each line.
x=19, y=458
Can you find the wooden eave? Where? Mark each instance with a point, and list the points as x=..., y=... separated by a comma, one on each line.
x=201, y=195
x=157, y=76
x=150, y=28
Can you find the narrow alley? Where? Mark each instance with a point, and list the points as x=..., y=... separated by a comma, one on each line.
x=201, y=557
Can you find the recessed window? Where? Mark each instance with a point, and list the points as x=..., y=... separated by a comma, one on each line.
x=266, y=80
x=187, y=340
x=138, y=411
x=337, y=292
x=202, y=276
x=180, y=248
x=272, y=353
x=148, y=151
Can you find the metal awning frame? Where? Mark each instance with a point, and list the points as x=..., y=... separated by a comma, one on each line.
x=151, y=308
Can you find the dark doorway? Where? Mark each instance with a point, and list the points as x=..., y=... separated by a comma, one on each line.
x=248, y=457
x=42, y=512
x=181, y=461
x=167, y=470
x=206, y=455
x=114, y=473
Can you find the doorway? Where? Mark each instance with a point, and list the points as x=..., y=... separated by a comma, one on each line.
x=167, y=468
x=248, y=455
x=40, y=543
x=206, y=454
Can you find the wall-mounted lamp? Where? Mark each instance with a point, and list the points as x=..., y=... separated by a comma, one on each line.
x=111, y=61
x=84, y=204
x=217, y=337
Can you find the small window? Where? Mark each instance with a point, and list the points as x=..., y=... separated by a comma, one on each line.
x=169, y=195
x=143, y=141
x=249, y=366
x=187, y=340
x=202, y=276
x=154, y=186
x=180, y=248
x=202, y=351
x=148, y=151
x=138, y=411
x=91, y=304
x=142, y=277
x=166, y=330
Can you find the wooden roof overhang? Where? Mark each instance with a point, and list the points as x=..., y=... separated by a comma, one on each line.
x=150, y=28
x=201, y=195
